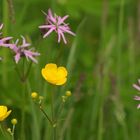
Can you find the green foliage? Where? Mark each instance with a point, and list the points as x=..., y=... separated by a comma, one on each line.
x=102, y=61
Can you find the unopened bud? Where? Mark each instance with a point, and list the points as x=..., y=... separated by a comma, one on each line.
x=14, y=121
x=68, y=93
x=34, y=95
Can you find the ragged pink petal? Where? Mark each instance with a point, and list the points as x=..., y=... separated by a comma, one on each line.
x=50, y=16
x=51, y=30
x=136, y=87
x=138, y=106
x=61, y=20
x=136, y=97
x=46, y=26
x=17, y=57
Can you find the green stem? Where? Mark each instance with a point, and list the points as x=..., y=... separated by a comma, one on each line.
x=100, y=125
x=17, y=70
x=23, y=113
x=1, y=129
x=120, y=31
x=23, y=81
x=23, y=78
x=53, y=116
x=5, y=32
x=13, y=131
x=51, y=122
x=52, y=105
x=36, y=124
x=28, y=70
x=60, y=110
x=11, y=11
x=5, y=17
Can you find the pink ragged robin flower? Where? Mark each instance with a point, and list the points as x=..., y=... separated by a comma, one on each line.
x=23, y=51
x=57, y=24
x=137, y=87
x=4, y=41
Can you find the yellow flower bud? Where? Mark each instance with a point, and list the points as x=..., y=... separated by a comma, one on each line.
x=54, y=125
x=68, y=93
x=4, y=113
x=64, y=98
x=41, y=97
x=34, y=95
x=9, y=130
x=14, y=121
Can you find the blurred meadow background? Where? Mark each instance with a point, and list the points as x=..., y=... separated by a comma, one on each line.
x=102, y=61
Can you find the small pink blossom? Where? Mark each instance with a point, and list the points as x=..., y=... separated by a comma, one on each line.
x=23, y=51
x=57, y=24
x=137, y=87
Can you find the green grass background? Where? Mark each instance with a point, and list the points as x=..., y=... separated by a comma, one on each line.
x=102, y=60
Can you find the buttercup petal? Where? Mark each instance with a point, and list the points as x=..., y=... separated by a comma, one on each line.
x=48, y=75
x=62, y=71
x=51, y=66
x=3, y=113
x=8, y=113
x=61, y=81
x=3, y=110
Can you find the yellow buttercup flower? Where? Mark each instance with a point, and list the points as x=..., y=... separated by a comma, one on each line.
x=4, y=113
x=54, y=75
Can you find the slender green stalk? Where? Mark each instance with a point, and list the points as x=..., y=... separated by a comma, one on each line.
x=119, y=57
x=131, y=48
x=101, y=69
x=70, y=60
x=1, y=129
x=5, y=32
x=36, y=124
x=60, y=110
x=66, y=124
x=13, y=132
x=23, y=113
x=72, y=53
x=52, y=105
x=5, y=17
x=119, y=45
x=11, y=11
x=53, y=116
x=28, y=70
x=100, y=125
x=51, y=122
x=23, y=81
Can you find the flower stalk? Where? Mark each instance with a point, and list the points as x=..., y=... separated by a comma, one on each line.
x=48, y=118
